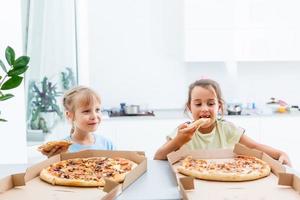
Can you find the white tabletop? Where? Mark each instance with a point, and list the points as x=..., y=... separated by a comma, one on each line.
x=157, y=182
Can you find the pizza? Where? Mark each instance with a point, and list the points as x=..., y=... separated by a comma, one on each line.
x=199, y=122
x=239, y=168
x=87, y=172
x=50, y=145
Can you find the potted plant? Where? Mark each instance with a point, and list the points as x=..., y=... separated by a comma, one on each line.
x=68, y=79
x=43, y=105
x=11, y=79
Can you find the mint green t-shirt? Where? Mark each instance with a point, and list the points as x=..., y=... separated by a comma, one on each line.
x=225, y=135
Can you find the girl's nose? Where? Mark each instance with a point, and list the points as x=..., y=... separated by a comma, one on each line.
x=93, y=115
x=204, y=107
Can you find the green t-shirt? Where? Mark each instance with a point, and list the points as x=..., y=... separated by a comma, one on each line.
x=225, y=135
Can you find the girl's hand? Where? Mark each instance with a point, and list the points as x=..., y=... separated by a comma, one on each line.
x=284, y=159
x=54, y=151
x=185, y=133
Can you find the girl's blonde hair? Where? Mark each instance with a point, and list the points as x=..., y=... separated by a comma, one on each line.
x=79, y=96
x=207, y=84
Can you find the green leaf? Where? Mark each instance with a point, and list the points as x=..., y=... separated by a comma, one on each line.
x=3, y=66
x=11, y=83
x=0, y=77
x=3, y=120
x=22, y=61
x=10, y=55
x=17, y=70
x=6, y=96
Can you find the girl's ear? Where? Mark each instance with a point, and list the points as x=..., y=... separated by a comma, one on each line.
x=221, y=108
x=70, y=115
x=188, y=107
x=188, y=111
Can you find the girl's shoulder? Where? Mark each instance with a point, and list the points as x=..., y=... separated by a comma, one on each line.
x=229, y=126
x=103, y=141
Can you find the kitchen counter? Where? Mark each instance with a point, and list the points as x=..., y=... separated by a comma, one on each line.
x=179, y=114
x=159, y=114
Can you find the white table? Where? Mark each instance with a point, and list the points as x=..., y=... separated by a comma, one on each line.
x=157, y=182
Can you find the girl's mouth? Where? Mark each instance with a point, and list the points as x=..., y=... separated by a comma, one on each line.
x=205, y=116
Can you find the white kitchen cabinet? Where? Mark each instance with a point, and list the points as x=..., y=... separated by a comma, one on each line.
x=208, y=45
x=108, y=130
x=251, y=124
x=139, y=134
x=277, y=131
x=282, y=132
x=247, y=30
x=148, y=135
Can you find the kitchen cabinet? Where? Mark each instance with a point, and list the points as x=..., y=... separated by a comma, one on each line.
x=251, y=124
x=208, y=30
x=278, y=131
x=139, y=134
x=248, y=30
x=282, y=132
x=149, y=134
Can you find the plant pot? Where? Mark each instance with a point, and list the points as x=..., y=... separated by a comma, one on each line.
x=50, y=118
x=35, y=135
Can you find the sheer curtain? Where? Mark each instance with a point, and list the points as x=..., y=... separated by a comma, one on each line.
x=51, y=36
x=51, y=45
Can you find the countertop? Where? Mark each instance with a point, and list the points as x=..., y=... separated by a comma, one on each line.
x=179, y=114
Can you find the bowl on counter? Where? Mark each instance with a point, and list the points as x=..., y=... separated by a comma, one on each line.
x=234, y=109
x=132, y=109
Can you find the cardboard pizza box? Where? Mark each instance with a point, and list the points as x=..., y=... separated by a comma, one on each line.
x=28, y=185
x=264, y=188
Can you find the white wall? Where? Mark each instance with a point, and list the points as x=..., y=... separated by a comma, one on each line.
x=13, y=135
x=136, y=52
x=136, y=56
x=256, y=81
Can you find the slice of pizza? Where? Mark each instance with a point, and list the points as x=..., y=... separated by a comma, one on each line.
x=50, y=145
x=199, y=122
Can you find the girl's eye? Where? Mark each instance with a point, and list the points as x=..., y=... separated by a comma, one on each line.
x=98, y=110
x=198, y=104
x=211, y=104
x=85, y=111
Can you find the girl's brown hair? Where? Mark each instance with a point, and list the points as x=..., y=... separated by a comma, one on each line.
x=207, y=84
x=79, y=96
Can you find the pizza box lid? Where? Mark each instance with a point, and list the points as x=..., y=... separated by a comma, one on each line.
x=28, y=185
x=265, y=188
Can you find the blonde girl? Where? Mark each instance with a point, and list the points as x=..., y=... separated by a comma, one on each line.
x=82, y=109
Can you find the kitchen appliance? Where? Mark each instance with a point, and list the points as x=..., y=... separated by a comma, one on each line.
x=234, y=109
x=132, y=109
x=129, y=110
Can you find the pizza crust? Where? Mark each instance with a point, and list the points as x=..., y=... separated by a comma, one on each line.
x=50, y=145
x=219, y=175
x=200, y=122
x=46, y=176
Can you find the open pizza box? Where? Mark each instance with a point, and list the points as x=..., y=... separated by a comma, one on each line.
x=278, y=185
x=28, y=185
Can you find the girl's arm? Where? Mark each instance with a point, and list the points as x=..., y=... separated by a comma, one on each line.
x=274, y=153
x=168, y=147
x=185, y=134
